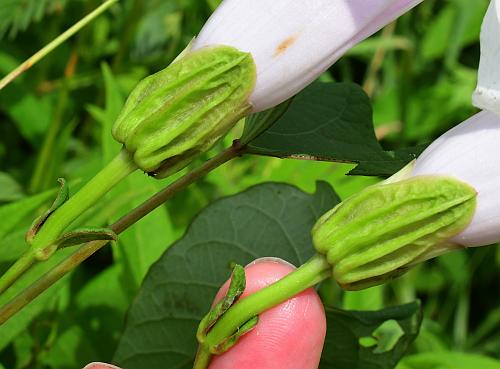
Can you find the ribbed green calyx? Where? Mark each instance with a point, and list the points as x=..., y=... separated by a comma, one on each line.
x=181, y=111
x=382, y=231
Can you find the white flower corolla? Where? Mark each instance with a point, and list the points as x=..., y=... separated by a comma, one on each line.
x=487, y=94
x=294, y=41
x=469, y=152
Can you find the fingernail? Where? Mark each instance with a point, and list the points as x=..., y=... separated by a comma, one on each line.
x=271, y=259
x=100, y=365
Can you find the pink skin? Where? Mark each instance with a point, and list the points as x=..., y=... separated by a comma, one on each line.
x=288, y=336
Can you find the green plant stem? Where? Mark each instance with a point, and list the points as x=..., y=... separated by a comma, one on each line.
x=203, y=358
x=16, y=270
x=85, y=251
x=55, y=43
x=119, y=168
x=309, y=274
x=56, y=223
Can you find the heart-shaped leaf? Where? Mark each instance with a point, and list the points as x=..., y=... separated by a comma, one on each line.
x=330, y=122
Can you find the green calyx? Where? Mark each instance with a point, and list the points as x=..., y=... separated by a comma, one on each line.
x=385, y=229
x=234, y=292
x=176, y=114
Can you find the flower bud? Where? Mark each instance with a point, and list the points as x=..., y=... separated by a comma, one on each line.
x=383, y=230
x=469, y=152
x=293, y=42
x=176, y=114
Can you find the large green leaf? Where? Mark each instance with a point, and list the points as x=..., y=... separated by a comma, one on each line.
x=389, y=332
x=266, y=220
x=331, y=122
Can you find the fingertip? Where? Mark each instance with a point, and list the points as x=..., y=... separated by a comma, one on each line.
x=290, y=335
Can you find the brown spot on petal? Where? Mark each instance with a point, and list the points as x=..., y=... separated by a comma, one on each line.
x=283, y=46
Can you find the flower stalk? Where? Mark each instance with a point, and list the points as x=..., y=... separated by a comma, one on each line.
x=44, y=240
x=84, y=251
x=118, y=169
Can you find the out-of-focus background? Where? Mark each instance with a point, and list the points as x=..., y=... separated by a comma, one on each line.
x=55, y=122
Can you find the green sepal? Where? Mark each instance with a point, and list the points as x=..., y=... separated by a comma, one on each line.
x=76, y=237
x=385, y=229
x=235, y=290
x=82, y=235
x=233, y=339
x=61, y=198
x=185, y=51
x=176, y=114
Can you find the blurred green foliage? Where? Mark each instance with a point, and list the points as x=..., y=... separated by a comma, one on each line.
x=55, y=121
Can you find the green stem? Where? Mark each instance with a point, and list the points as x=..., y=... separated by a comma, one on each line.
x=86, y=250
x=42, y=246
x=16, y=270
x=203, y=358
x=309, y=274
x=55, y=43
x=119, y=168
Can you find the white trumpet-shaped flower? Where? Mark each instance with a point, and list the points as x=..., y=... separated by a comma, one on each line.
x=470, y=152
x=293, y=41
x=487, y=94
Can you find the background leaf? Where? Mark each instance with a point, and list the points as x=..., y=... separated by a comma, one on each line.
x=47, y=302
x=99, y=307
x=13, y=213
x=16, y=15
